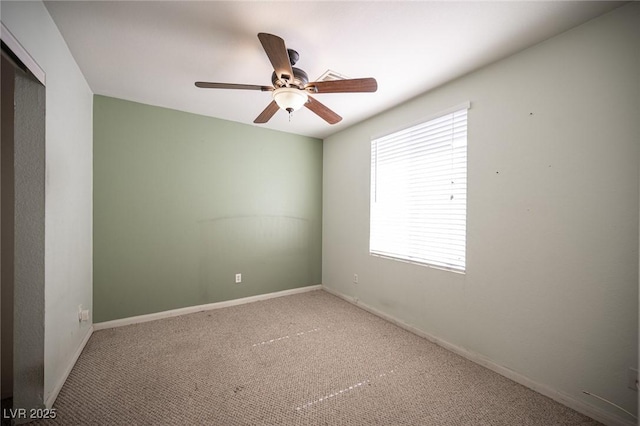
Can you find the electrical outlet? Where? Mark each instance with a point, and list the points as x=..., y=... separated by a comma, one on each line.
x=355, y=278
x=83, y=314
x=632, y=378
x=238, y=278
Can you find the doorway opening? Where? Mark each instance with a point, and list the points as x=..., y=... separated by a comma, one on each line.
x=22, y=193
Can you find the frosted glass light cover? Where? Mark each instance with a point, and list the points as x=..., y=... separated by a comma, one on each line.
x=289, y=98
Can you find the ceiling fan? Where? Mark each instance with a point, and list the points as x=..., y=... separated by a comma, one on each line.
x=291, y=87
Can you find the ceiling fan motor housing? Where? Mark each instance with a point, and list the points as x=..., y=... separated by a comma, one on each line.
x=300, y=79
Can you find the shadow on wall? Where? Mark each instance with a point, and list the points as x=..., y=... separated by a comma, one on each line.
x=272, y=253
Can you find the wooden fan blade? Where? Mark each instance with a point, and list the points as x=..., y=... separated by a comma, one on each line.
x=278, y=55
x=268, y=112
x=207, y=85
x=354, y=85
x=325, y=113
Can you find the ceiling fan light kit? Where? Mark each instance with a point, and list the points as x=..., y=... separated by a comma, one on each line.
x=290, y=99
x=291, y=85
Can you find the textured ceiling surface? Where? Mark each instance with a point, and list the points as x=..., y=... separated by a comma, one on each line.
x=153, y=52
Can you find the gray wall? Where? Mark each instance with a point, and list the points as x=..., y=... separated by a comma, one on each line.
x=7, y=226
x=183, y=202
x=551, y=287
x=29, y=178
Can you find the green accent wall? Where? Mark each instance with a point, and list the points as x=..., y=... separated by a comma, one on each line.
x=183, y=202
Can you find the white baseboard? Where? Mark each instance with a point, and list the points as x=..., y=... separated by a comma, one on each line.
x=199, y=308
x=594, y=412
x=56, y=390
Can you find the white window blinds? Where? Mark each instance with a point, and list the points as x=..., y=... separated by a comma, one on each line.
x=419, y=193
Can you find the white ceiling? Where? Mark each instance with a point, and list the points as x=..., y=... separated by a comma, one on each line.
x=153, y=52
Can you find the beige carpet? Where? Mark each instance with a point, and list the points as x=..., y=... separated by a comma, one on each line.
x=307, y=359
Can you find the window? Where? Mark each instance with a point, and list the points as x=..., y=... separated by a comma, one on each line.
x=419, y=192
